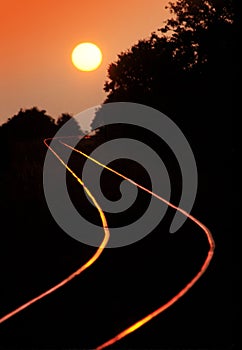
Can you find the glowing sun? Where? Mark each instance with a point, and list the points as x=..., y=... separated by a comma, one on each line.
x=86, y=57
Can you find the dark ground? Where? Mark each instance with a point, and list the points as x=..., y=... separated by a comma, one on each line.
x=125, y=283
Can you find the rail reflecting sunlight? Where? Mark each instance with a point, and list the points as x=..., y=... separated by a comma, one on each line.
x=104, y=242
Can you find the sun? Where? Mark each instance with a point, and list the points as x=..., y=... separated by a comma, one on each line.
x=86, y=57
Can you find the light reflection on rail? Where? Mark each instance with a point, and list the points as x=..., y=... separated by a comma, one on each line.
x=103, y=244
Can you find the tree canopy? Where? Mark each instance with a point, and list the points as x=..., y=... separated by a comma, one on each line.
x=189, y=69
x=32, y=123
x=198, y=42
x=29, y=124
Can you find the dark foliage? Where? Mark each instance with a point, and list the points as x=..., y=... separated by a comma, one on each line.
x=29, y=124
x=189, y=70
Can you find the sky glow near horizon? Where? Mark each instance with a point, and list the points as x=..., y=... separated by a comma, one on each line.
x=37, y=38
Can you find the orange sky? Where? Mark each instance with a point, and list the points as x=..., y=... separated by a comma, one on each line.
x=37, y=37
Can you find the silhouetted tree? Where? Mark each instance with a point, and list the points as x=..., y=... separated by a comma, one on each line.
x=206, y=35
x=23, y=134
x=189, y=69
x=29, y=124
x=65, y=117
x=199, y=38
x=21, y=138
x=141, y=71
x=74, y=128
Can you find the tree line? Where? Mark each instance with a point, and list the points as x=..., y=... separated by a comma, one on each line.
x=188, y=69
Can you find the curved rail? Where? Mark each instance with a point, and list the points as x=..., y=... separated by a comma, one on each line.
x=100, y=249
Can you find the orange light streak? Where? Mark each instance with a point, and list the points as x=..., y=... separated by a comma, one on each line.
x=205, y=265
x=83, y=267
x=162, y=308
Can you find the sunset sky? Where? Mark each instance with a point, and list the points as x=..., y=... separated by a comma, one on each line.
x=38, y=36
